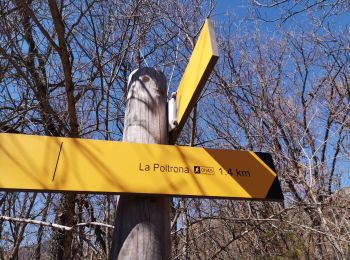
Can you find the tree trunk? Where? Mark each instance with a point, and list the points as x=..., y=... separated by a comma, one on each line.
x=142, y=224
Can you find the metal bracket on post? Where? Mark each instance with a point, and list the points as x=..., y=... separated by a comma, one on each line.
x=172, y=112
x=130, y=76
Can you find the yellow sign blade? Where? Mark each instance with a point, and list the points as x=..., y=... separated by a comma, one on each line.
x=41, y=163
x=197, y=72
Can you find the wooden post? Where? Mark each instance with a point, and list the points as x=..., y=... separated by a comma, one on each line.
x=142, y=224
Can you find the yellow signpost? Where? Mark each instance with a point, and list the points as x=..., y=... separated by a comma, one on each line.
x=41, y=163
x=197, y=72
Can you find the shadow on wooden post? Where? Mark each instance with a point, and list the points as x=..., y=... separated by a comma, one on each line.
x=142, y=224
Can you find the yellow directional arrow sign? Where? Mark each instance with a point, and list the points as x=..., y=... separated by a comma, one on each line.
x=197, y=72
x=41, y=163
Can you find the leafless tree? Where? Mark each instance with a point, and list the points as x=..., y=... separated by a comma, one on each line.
x=63, y=72
x=289, y=9
x=285, y=95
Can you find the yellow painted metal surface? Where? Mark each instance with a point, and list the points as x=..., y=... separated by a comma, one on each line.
x=197, y=72
x=44, y=163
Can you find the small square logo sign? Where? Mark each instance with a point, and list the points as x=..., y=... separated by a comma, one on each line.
x=197, y=169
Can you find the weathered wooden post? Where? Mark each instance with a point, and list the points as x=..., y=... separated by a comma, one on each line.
x=142, y=224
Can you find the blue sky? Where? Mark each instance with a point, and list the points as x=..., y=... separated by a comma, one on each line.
x=242, y=10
